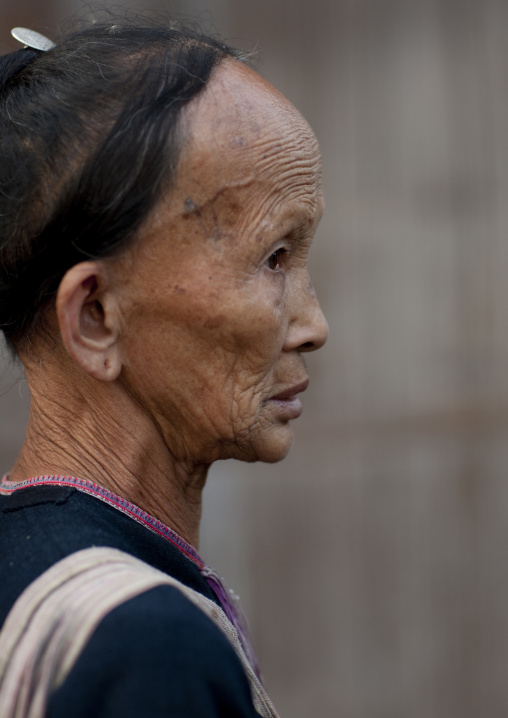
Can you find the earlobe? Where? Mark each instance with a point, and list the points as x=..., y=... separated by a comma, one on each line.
x=88, y=318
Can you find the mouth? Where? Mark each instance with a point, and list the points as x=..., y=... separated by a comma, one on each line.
x=292, y=392
x=287, y=401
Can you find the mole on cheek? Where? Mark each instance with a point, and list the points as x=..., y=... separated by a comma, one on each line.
x=215, y=322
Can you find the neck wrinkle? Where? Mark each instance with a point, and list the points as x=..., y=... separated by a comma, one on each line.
x=100, y=433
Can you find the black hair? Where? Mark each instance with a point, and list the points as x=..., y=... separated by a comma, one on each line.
x=89, y=139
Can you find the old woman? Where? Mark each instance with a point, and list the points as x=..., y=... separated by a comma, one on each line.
x=158, y=200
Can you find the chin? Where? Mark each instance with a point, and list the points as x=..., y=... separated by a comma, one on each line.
x=271, y=446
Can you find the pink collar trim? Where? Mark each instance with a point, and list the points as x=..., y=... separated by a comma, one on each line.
x=88, y=487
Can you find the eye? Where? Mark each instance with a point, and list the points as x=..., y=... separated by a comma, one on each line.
x=275, y=259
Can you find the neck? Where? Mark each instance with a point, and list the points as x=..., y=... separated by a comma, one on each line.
x=98, y=432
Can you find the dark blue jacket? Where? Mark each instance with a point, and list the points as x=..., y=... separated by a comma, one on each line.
x=155, y=655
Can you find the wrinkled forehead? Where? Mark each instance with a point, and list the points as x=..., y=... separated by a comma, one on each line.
x=240, y=129
x=249, y=168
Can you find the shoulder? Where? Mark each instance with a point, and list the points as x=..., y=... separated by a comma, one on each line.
x=156, y=654
x=41, y=525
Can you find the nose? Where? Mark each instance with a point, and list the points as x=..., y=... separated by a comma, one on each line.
x=308, y=328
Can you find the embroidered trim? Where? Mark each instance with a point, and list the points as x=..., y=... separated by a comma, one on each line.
x=88, y=487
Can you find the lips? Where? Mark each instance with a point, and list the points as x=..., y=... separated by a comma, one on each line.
x=289, y=394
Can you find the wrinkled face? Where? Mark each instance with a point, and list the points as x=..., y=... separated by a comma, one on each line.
x=217, y=303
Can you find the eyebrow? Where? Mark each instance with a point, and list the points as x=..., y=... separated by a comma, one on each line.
x=305, y=217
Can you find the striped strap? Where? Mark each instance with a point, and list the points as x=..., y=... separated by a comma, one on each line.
x=54, y=618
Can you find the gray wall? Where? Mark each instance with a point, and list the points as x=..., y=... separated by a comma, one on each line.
x=372, y=561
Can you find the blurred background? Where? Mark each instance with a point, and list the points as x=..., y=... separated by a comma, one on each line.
x=371, y=562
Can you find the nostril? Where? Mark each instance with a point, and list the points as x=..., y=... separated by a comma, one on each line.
x=308, y=345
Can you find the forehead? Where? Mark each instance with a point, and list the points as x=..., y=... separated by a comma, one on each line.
x=241, y=133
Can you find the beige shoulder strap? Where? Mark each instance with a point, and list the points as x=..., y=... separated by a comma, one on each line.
x=53, y=619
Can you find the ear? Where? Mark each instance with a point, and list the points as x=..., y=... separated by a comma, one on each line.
x=88, y=316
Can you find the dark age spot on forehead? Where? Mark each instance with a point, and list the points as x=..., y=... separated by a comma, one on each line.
x=217, y=215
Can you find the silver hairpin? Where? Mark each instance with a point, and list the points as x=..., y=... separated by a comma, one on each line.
x=32, y=39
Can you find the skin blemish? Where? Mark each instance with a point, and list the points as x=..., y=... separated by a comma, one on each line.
x=218, y=213
x=178, y=290
x=239, y=141
x=215, y=322
x=207, y=217
x=189, y=205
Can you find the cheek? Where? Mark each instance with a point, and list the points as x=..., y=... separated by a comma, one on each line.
x=250, y=328
x=211, y=328
x=210, y=344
